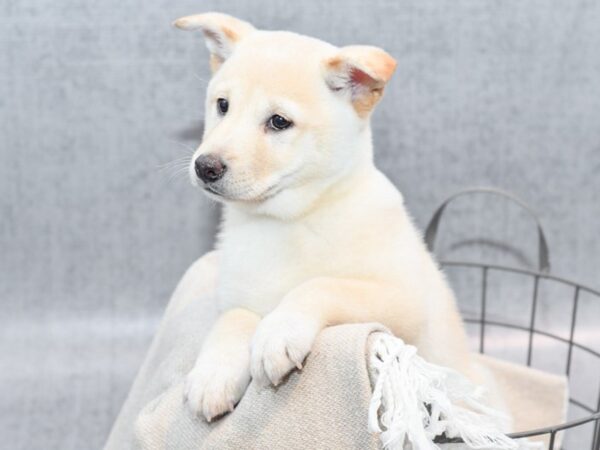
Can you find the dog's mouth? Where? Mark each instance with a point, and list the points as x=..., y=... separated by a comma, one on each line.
x=249, y=195
x=213, y=191
x=267, y=194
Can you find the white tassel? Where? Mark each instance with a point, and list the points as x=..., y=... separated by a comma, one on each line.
x=414, y=401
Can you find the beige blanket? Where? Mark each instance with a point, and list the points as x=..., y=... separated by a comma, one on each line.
x=325, y=406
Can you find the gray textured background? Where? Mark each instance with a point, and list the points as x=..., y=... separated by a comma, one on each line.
x=96, y=96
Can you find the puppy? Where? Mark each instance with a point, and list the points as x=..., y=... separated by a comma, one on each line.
x=313, y=235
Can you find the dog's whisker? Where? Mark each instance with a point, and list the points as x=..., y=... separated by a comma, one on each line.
x=183, y=146
x=177, y=163
x=175, y=178
x=171, y=179
x=198, y=77
x=185, y=158
x=177, y=170
x=170, y=170
x=174, y=169
x=176, y=174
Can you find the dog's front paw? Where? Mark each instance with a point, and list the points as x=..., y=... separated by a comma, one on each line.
x=215, y=385
x=281, y=342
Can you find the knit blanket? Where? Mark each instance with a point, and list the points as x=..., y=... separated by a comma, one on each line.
x=360, y=388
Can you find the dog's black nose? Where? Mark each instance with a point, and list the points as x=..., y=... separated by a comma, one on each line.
x=209, y=168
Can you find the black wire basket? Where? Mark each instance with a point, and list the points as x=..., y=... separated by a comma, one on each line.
x=584, y=430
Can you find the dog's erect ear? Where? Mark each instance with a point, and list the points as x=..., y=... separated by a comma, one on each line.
x=362, y=71
x=222, y=33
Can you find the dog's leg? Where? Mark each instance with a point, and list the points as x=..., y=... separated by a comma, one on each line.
x=285, y=336
x=222, y=371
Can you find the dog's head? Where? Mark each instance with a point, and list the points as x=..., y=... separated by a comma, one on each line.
x=286, y=115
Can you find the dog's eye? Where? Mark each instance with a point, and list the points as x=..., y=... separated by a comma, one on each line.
x=278, y=123
x=222, y=105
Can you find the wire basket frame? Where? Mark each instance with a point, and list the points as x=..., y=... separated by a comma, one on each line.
x=484, y=321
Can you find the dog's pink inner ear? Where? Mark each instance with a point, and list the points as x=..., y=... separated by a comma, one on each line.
x=358, y=77
x=363, y=71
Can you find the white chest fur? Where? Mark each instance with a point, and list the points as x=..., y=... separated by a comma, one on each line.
x=262, y=259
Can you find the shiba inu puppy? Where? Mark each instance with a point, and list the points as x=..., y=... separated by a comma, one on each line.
x=313, y=235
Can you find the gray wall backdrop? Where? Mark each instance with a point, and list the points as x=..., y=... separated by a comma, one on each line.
x=96, y=96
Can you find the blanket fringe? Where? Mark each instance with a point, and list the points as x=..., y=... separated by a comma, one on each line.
x=414, y=401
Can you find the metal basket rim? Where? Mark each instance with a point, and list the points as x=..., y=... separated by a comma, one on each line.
x=524, y=271
x=540, y=274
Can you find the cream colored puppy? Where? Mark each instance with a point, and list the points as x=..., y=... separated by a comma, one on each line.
x=313, y=235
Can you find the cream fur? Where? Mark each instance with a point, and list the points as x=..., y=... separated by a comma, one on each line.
x=313, y=234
